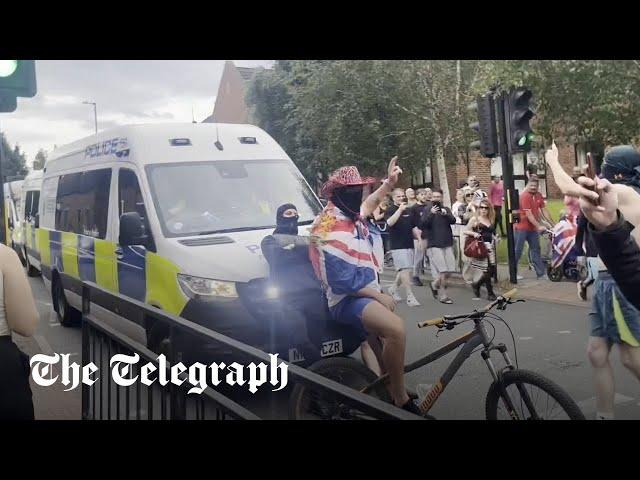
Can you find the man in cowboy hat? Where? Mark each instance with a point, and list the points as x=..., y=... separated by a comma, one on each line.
x=346, y=263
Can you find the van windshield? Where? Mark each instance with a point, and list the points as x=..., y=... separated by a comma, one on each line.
x=201, y=198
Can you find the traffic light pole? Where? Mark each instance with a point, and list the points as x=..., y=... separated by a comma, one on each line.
x=509, y=184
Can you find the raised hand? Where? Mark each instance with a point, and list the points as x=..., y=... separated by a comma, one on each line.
x=393, y=171
x=606, y=213
x=551, y=155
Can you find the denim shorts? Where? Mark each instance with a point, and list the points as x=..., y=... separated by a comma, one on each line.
x=349, y=312
x=613, y=317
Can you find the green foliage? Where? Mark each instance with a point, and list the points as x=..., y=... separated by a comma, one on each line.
x=13, y=160
x=359, y=112
x=595, y=100
x=362, y=112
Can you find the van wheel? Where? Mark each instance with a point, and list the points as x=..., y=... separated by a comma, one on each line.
x=31, y=271
x=67, y=315
x=19, y=252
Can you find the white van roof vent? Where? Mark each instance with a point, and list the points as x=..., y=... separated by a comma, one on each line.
x=248, y=140
x=179, y=142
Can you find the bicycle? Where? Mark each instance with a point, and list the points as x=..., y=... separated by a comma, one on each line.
x=508, y=383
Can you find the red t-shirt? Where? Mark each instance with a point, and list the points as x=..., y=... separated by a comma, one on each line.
x=529, y=202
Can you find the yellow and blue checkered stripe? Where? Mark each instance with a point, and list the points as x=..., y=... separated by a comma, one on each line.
x=138, y=273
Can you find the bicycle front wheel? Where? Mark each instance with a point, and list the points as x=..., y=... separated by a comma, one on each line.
x=525, y=395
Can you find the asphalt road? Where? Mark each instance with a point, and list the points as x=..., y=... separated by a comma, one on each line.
x=549, y=339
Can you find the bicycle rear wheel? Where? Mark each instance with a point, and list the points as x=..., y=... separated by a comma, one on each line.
x=529, y=396
x=307, y=403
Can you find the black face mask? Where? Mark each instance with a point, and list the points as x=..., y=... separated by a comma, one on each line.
x=623, y=161
x=286, y=225
x=349, y=201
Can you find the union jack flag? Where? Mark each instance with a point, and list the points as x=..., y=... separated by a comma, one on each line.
x=564, y=238
x=345, y=254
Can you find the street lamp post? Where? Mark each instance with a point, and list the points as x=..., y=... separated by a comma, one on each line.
x=95, y=114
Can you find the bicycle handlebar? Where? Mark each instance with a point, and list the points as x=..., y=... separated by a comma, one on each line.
x=504, y=298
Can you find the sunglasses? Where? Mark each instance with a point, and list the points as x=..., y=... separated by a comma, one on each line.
x=483, y=208
x=469, y=195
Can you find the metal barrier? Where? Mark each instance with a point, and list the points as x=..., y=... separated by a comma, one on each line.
x=107, y=400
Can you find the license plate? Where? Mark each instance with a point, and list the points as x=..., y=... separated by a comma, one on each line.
x=331, y=347
x=295, y=356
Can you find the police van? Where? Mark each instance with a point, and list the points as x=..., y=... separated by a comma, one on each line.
x=12, y=226
x=171, y=215
x=28, y=212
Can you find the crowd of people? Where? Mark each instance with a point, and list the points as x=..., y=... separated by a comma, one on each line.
x=347, y=253
x=344, y=257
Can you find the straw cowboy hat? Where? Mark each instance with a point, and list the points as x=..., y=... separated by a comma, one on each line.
x=344, y=177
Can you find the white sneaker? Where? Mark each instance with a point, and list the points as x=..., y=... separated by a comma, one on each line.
x=393, y=291
x=520, y=277
x=412, y=302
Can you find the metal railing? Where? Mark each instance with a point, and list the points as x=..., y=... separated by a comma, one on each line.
x=105, y=399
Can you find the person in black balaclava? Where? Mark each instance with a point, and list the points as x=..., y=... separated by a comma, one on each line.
x=291, y=273
x=621, y=165
x=287, y=219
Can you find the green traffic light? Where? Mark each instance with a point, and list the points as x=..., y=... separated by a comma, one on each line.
x=8, y=67
x=525, y=139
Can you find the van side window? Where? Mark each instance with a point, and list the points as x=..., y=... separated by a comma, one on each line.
x=27, y=205
x=130, y=199
x=35, y=201
x=82, y=203
x=129, y=194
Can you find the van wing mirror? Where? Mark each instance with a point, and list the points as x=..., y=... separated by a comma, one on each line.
x=132, y=230
x=36, y=220
x=10, y=223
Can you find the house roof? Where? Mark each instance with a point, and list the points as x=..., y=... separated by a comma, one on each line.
x=246, y=73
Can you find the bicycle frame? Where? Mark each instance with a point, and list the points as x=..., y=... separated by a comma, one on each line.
x=470, y=340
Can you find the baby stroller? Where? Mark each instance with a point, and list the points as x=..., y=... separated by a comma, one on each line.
x=564, y=257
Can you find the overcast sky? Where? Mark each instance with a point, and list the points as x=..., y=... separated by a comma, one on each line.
x=126, y=91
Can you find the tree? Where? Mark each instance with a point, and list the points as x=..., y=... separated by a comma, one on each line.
x=13, y=160
x=433, y=96
x=595, y=100
x=331, y=113
x=40, y=160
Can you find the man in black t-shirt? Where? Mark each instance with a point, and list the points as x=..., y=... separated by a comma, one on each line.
x=401, y=223
x=437, y=223
x=420, y=210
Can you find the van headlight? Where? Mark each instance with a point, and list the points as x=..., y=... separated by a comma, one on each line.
x=205, y=287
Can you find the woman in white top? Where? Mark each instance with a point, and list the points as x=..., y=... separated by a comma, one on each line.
x=18, y=314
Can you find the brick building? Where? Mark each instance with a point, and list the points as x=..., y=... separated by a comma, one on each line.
x=230, y=106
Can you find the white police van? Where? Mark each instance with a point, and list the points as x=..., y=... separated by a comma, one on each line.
x=13, y=230
x=27, y=238
x=171, y=215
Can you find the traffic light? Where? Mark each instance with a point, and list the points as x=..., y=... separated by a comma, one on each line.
x=519, y=114
x=484, y=107
x=17, y=79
